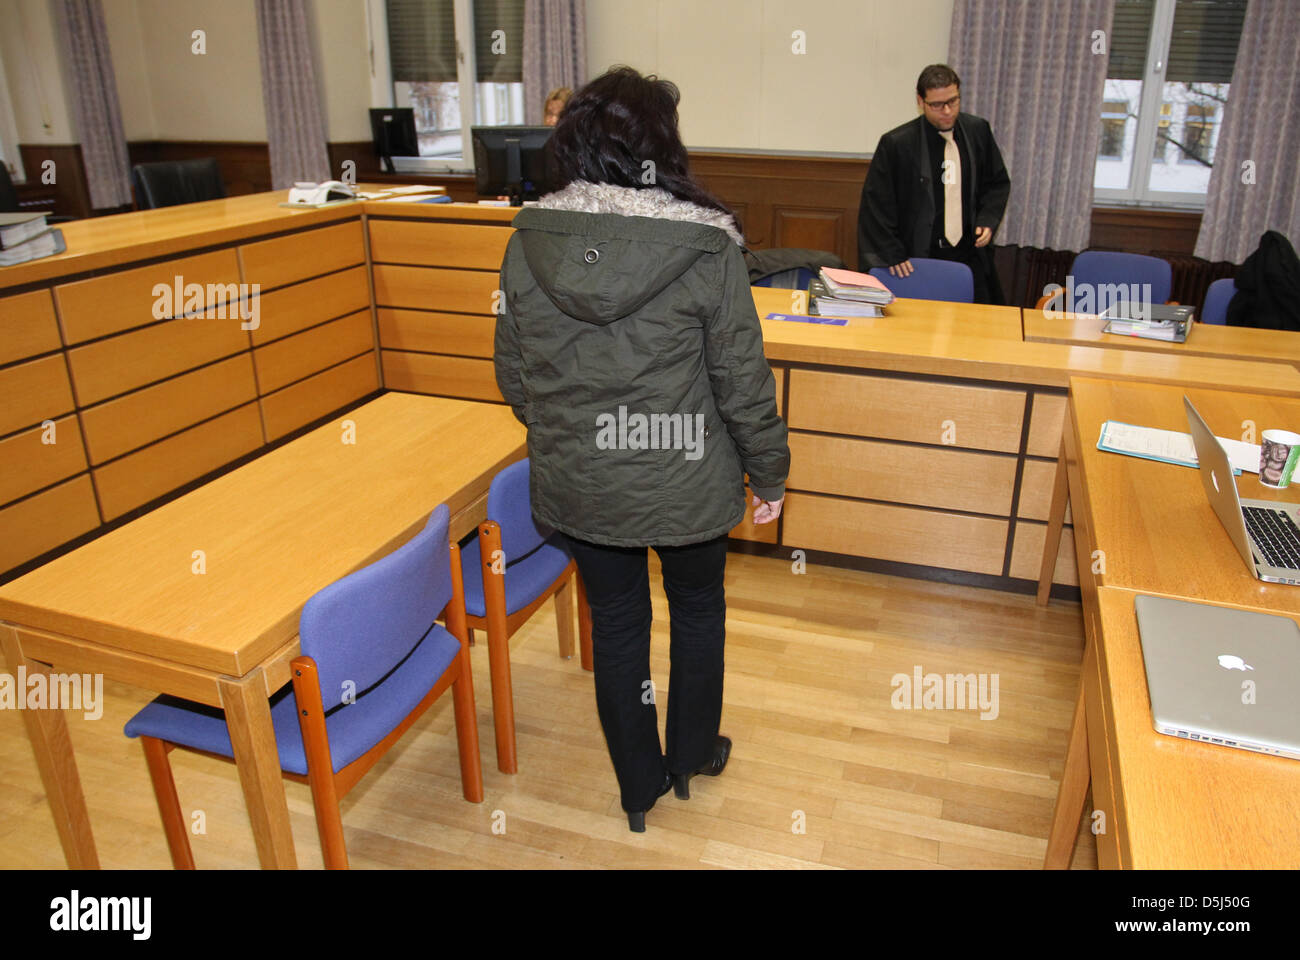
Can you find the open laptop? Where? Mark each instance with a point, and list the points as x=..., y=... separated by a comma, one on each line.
x=1198, y=658
x=1265, y=532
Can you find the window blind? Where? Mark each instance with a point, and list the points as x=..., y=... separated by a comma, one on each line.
x=1204, y=43
x=508, y=17
x=422, y=40
x=1130, y=35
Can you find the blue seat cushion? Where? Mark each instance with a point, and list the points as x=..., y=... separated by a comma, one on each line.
x=526, y=578
x=353, y=728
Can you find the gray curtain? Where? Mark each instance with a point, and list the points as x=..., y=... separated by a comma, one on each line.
x=295, y=125
x=1260, y=139
x=555, y=50
x=94, y=92
x=1028, y=68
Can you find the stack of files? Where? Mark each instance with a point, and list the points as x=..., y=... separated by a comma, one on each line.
x=1169, y=446
x=1171, y=322
x=847, y=293
x=26, y=236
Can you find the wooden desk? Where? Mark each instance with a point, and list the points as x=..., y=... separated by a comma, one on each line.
x=144, y=606
x=1147, y=527
x=1167, y=803
x=1206, y=340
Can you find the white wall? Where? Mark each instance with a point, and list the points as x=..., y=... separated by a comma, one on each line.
x=744, y=88
x=130, y=67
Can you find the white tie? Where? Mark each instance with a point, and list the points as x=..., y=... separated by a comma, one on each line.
x=951, y=189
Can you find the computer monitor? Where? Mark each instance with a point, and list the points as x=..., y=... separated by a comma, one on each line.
x=513, y=161
x=393, y=129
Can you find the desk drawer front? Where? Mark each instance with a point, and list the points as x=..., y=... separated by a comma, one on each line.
x=465, y=377
x=925, y=476
x=120, y=364
x=284, y=260
x=119, y=301
x=310, y=352
x=426, y=332
x=433, y=244
x=1036, y=491
x=307, y=400
x=33, y=392
x=902, y=534
x=136, y=479
x=1045, y=425
x=27, y=463
x=1027, y=554
x=30, y=527
x=27, y=326
x=137, y=419
x=304, y=305
x=426, y=288
x=921, y=411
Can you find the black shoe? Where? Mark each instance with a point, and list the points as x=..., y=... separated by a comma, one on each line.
x=636, y=821
x=721, y=752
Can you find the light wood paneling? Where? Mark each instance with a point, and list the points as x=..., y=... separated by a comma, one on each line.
x=274, y=263
x=433, y=244
x=918, y=410
x=33, y=392
x=46, y=520
x=125, y=299
x=27, y=464
x=952, y=479
x=1027, y=554
x=779, y=374
x=1045, y=424
x=445, y=376
x=139, y=418
x=1036, y=491
x=302, y=305
x=159, y=469
x=422, y=331
x=903, y=534
x=305, y=401
x=119, y=364
x=303, y=354
x=462, y=291
x=27, y=326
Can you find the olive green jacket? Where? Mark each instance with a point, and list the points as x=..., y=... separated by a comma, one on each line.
x=629, y=346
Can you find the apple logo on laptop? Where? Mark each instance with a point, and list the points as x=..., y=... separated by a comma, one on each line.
x=1232, y=662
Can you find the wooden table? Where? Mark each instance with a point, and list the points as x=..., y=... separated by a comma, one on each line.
x=201, y=597
x=1205, y=340
x=1147, y=527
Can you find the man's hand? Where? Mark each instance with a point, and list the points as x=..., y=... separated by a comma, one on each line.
x=903, y=269
x=982, y=236
x=765, y=511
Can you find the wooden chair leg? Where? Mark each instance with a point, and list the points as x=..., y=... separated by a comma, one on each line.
x=320, y=766
x=584, y=624
x=471, y=766
x=498, y=642
x=564, y=617
x=169, y=804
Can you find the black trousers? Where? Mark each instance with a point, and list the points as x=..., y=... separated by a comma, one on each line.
x=988, y=289
x=617, y=580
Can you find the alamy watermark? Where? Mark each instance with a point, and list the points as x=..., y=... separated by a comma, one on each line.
x=1133, y=299
x=53, y=691
x=240, y=301
x=655, y=431
x=951, y=691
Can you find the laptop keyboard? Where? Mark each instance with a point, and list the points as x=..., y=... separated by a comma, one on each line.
x=1276, y=536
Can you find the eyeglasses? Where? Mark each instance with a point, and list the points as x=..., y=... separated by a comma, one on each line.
x=945, y=105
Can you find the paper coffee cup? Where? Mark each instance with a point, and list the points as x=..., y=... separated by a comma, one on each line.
x=1278, y=452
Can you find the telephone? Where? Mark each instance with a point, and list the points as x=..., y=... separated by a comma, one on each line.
x=306, y=193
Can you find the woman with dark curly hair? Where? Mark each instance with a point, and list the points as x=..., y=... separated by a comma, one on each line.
x=631, y=349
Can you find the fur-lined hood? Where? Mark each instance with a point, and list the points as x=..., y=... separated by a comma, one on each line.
x=584, y=197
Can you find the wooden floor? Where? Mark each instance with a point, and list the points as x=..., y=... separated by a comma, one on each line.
x=810, y=658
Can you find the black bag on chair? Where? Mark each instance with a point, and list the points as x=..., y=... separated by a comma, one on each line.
x=1268, y=287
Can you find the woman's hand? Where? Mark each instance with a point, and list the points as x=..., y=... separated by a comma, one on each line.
x=765, y=511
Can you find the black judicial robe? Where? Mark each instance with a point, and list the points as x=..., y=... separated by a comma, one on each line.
x=897, y=213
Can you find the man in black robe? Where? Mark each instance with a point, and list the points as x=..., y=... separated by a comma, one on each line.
x=903, y=212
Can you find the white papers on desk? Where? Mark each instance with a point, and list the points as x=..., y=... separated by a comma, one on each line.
x=1169, y=446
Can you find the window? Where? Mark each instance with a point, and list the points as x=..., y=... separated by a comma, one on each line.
x=457, y=64
x=1170, y=68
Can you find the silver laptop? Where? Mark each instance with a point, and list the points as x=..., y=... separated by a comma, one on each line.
x=1265, y=532
x=1222, y=676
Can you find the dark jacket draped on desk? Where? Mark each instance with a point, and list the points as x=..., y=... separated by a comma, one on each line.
x=896, y=219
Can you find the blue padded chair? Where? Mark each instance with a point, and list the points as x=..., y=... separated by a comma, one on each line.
x=931, y=280
x=373, y=660
x=1217, y=299
x=521, y=566
x=1098, y=267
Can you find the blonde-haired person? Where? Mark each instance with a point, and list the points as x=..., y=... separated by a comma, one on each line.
x=553, y=105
